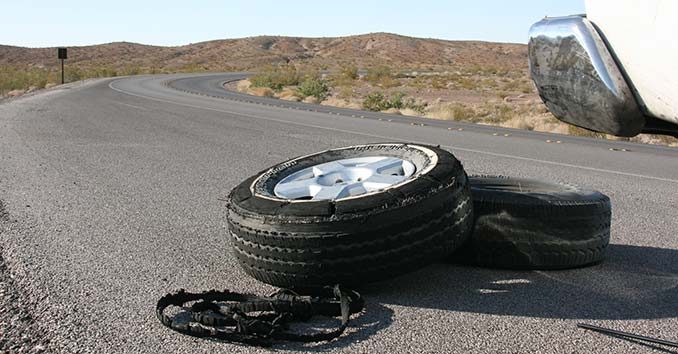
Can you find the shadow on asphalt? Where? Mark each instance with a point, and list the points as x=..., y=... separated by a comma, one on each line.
x=373, y=319
x=632, y=283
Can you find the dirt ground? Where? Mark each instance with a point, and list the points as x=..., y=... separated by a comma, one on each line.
x=504, y=99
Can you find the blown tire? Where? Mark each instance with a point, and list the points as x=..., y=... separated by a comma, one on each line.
x=357, y=236
x=530, y=224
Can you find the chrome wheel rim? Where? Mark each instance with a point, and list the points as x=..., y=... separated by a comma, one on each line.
x=345, y=178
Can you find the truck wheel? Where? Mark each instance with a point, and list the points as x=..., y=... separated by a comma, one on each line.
x=350, y=215
x=529, y=224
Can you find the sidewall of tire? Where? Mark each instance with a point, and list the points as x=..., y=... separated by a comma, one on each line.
x=566, y=228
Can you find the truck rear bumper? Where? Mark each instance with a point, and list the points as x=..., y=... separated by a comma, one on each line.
x=578, y=78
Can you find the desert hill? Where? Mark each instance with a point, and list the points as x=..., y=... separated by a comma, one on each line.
x=249, y=53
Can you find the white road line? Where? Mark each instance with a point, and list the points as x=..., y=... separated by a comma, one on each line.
x=451, y=147
x=131, y=105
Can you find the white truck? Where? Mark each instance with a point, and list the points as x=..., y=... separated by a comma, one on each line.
x=613, y=70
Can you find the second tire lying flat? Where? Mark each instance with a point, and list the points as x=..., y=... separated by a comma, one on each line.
x=529, y=224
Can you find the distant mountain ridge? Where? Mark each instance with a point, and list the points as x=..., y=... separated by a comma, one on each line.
x=252, y=52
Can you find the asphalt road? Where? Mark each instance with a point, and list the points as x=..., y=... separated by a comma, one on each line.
x=112, y=191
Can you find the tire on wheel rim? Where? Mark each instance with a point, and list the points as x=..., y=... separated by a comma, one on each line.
x=529, y=224
x=357, y=236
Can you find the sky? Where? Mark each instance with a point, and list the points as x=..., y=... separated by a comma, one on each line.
x=40, y=23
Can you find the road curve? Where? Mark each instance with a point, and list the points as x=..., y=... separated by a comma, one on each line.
x=113, y=195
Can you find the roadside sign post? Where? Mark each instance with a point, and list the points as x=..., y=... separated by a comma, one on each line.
x=62, y=53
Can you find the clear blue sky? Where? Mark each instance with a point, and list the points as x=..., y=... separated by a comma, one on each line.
x=40, y=23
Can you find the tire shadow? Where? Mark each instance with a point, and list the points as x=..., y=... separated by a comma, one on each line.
x=632, y=283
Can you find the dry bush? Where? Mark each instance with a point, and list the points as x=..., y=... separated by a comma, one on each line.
x=18, y=78
x=349, y=71
x=337, y=102
x=520, y=122
x=262, y=91
x=495, y=113
x=346, y=92
x=392, y=111
x=438, y=82
x=641, y=138
x=243, y=85
x=467, y=83
x=518, y=85
x=288, y=94
x=382, y=76
x=419, y=82
x=375, y=74
x=310, y=99
x=377, y=101
x=452, y=111
x=346, y=75
x=655, y=139
x=544, y=122
x=276, y=77
x=410, y=112
x=314, y=86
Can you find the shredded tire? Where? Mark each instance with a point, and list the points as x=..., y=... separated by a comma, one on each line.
x=529, y=224
x=355, y=240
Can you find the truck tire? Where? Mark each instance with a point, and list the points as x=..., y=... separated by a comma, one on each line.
x=356, y=237
x=529, y=224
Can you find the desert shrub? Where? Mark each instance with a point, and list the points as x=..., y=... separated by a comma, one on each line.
x=389, y=82
x=438, y=83
x=419, y=82
x=262, y=91
x=503, y=94
x=527, y=87
x=345, y=92
x=288, y=94
x=453, y=111
x=460, y=111
x=412, y=104
x=488, y=70
x=489, y=83
x=103, y=72
x=315, y=87
x=348, y=72
x=396, y=100
x=512, y=85
x=73, y=74
x=518, y=85
x=16, y=78
x=309, y=71
x=376, y=74
x=276, y=77
x=265, y=42
x=465, y=83
x=133, y=70
x=381, y=76
x=346, y=75
x=375, y=101
x=501, y=113
x=243, y=85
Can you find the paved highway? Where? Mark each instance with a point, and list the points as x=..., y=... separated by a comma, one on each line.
x=113, y=196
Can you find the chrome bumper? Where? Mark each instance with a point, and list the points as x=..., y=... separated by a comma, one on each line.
x=579, y=80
